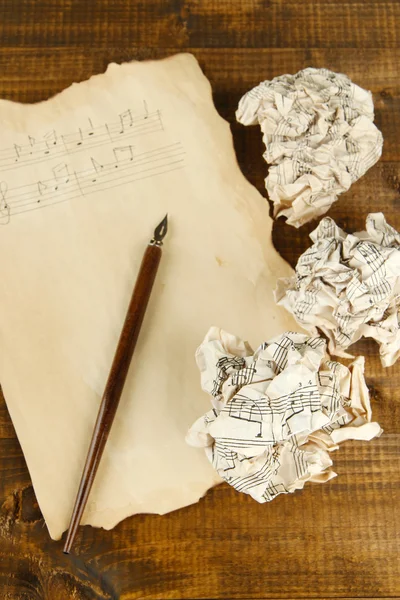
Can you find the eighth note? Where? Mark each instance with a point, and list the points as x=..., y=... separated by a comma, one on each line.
x=32, y=141
x=4, y=208
x=42, y=187
x=61, y=173
x=123, y=153
x=17, y=151
x=50, y=140
x=97, y=167
x=126, y=120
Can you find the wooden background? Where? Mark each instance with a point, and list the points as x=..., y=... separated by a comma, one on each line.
x=339, y=540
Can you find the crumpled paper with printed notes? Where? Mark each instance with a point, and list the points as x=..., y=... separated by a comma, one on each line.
x=348, y=286
x=277, y=412
x=319, y=136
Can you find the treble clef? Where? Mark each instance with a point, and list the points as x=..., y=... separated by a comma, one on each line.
x=4, y=207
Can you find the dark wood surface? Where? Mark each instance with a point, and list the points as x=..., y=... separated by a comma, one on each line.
x=338, y=540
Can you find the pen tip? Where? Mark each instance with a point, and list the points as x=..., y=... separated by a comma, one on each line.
x=161, y=230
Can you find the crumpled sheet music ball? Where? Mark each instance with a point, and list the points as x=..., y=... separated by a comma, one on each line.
x=348, y=286
x=319, y=136
x=278, y=412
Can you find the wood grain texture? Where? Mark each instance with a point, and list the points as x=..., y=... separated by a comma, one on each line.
x=338, y=540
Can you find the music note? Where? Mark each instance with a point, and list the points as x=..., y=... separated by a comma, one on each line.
x=18, y=150
x=61, y=171
x=67, y=184
x=97, y=167
x=91, y=131
x=42, y=187
x=4, y=208
x=50, y=140
x=32, y=142
x=72, y=140
x=123, y=153
x=55, y=144
x=61, y=174
x=126, y=120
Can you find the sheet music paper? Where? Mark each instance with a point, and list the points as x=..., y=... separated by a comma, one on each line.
x=85, y=177
x=348, y=286
x=319, y=137
x=278, y=412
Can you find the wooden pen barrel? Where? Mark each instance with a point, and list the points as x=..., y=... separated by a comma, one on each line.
x=115, y=383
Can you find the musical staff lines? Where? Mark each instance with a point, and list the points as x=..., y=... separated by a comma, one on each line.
x=274, y=412
x=127, y=167
x=55, y=146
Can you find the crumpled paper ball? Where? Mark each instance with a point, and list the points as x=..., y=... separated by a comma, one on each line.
x=348, y=286
x=319, y=136
x=277, y=412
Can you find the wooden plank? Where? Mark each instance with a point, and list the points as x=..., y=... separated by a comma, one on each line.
x=201, y=24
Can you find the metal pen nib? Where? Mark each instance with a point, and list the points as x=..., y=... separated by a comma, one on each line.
x=160, y=232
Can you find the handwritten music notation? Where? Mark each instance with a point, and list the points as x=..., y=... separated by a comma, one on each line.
x=53, y=145
x=66, y=184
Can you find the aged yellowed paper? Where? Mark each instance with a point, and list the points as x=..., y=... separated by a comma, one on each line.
x=84, y=178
